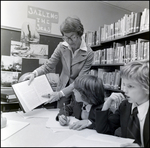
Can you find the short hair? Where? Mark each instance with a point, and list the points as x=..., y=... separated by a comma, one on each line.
x=72, y=24
x=138, y=71
x=91, y=89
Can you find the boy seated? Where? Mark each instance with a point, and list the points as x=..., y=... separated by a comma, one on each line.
x=88, y=95
x=133, y=113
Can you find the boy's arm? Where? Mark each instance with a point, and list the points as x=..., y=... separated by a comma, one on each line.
x=115, y=99
x=106, y=122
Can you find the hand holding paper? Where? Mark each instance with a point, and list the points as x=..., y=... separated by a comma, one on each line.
x=27, y=76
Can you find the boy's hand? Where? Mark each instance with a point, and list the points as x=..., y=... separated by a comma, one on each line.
x=115, y=98
x=63, y=120
x=79, y=125
x=130, y=145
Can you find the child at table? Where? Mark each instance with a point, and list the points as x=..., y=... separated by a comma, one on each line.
x=89, y=94
x=135, y=76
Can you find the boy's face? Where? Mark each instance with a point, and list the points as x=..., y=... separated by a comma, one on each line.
x=134, y=91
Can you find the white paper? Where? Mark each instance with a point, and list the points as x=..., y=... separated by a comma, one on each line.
x=30, y=96
x=94, y=140
x=11, y=128
x=79, y=141
x=55, y=125
x=39, y=113
x=112, y=140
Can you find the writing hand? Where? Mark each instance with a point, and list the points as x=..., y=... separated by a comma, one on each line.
x=63, y=120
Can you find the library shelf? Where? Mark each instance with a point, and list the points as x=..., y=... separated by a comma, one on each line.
x=109, y=43
x=112, y=89
x=108, y=65
x=142, y=34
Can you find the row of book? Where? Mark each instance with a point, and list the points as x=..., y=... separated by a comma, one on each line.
x=123, y=52
x=128, y=24
x=110, y=79
x=8, y=95
x=93, y=37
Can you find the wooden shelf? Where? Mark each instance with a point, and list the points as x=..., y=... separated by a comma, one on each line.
x=108, y=65
x=115, y=90
x=145, y=34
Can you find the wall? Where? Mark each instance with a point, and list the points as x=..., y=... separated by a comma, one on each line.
x=92, y=13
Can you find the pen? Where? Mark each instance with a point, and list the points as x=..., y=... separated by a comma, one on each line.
x=65, y=110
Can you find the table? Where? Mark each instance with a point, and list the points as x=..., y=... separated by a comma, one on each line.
x=37, y=135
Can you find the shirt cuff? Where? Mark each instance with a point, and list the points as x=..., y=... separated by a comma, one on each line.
x=89, y=123
x=62, y=93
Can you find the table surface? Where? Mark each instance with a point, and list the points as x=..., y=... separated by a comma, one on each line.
x=37, y=135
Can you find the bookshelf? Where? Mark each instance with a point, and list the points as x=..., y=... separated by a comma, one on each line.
x=117, y=47
x=143, y=34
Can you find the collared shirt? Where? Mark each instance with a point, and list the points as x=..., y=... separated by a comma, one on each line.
x=85, y=111
x=82, y=47
x=142, y=111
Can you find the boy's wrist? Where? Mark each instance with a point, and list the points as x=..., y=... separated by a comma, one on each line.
x=88, y=123
x=62, y=94
x=107, y=104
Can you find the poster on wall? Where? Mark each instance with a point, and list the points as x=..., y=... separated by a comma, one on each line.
x=35, y=51
x=44, y=18
x=9, y=78
x=9, y=63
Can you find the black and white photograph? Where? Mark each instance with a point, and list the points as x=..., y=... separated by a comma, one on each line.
x=75, y=73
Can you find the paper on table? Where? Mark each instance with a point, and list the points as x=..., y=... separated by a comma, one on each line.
x=79, y=141
x=112, y=140
x=55, y=126
x=11, y=128
x=100, y=141
x=39, y=113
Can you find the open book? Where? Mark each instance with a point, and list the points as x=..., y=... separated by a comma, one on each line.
x=30, y=96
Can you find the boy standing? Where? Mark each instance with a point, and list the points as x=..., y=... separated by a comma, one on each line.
x=133, y=113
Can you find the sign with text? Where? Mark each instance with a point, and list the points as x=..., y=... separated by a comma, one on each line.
x=43, y=18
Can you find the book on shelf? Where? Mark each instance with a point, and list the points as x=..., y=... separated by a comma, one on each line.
x=30, y=96
x=9, y=100
x=127, y=56
x=133, y=46
x=144, y=24
x=8, y=93
x=117, y=79
x=137, y=21
x=100, y=72
x=142, y=49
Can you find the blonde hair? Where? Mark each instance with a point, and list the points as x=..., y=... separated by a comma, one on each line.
x=139, y=71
